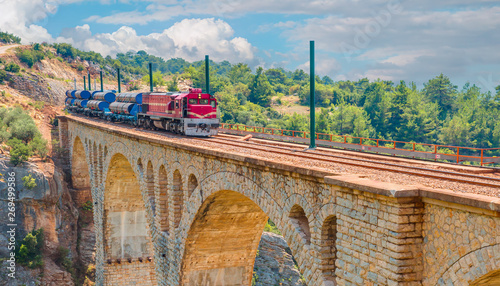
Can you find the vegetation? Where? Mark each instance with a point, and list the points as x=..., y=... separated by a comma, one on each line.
x=271, y=227
x=9, y=38
x=34, y=54
x=20, y=133
x=29, y=182
x=3, y=76
x=87, y=206
x=12, y=67
x=29, y=250
x=438, y=113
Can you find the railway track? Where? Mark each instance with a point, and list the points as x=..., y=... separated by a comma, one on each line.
x=371, y=166
x=409, y=169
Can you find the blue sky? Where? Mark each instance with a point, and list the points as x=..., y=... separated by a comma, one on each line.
x=391, y=40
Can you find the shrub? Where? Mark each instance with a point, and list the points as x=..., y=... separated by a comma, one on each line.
x=3, y=76
x=24, y=130
x=80, y=67
x=271, y=227
x=19, y=152
x=38, y=146
x=30, y=57
x=12, y=67
x=29, y=182
x=29, y=250
x=62, y=259
x=4, y=134
x=87, y=206
x=9, y=38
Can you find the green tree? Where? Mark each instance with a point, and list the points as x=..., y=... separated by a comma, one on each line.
x=441, y=90
x=12, y=67
x=172, y=84
x=399, y=101
x=260, y=89
x=29, y=250
x=240, y=73
x=158, y=79
x=419, y=122
x=19, y=152
x=38, y=146
x=377, y=105
x=3, y=76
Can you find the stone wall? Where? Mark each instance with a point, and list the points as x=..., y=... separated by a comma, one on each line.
x=134, y=273
x=460, y=243
x=380, y=239
x=341, y=229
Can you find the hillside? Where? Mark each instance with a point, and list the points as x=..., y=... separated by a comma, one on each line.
x=50, y=213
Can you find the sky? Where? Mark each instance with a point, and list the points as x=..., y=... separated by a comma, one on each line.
x=378, y=39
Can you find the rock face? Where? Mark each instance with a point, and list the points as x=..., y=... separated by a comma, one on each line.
x=39, y=88
x=274, y=263
x=49, y=206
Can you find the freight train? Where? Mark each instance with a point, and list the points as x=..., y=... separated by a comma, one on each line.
x=190, y=113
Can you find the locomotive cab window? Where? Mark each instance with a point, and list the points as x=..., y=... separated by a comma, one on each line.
x=193, y=101
x=212, y=103
x=203, y=101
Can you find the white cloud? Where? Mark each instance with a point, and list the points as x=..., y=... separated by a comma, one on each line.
x=18, y=17
x=411, y=45
x=190, y=39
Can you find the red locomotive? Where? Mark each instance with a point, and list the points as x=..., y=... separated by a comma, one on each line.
x=193, y=113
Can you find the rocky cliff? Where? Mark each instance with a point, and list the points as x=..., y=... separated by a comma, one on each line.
x=274, y=264
x=49, y=206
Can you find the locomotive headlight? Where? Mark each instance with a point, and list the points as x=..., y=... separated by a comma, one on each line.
x=199, y=96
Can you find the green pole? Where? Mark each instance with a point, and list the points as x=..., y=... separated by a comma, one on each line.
x=89, y=82
x=119, y=81
x=207, y=74
x=84, y=83
x=312, y=99
x=102, y=86
x=151, y=77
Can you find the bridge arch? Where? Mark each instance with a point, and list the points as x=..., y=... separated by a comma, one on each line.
x=479, y=267
x=229, y=200
x=80, y=172
x=124, y=213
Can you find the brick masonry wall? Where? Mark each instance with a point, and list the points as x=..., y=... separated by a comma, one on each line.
x=130, y=274
x=380, y=239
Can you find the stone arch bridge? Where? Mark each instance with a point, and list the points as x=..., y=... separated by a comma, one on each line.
x=173, y=214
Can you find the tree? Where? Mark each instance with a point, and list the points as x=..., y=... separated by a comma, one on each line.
x=157, y=79
x=12, y=67
x=419, y=122
x=3, y=76
x=441, y=90
x=240, y=73
x=398, y=104
x=19, y=152
x=260, y=89
x=172, y=85
x=377, y=105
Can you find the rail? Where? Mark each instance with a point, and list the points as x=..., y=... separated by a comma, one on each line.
x=457, y=154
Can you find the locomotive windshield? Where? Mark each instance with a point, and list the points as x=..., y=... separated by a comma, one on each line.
x=193, y=101
x=203, y=101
